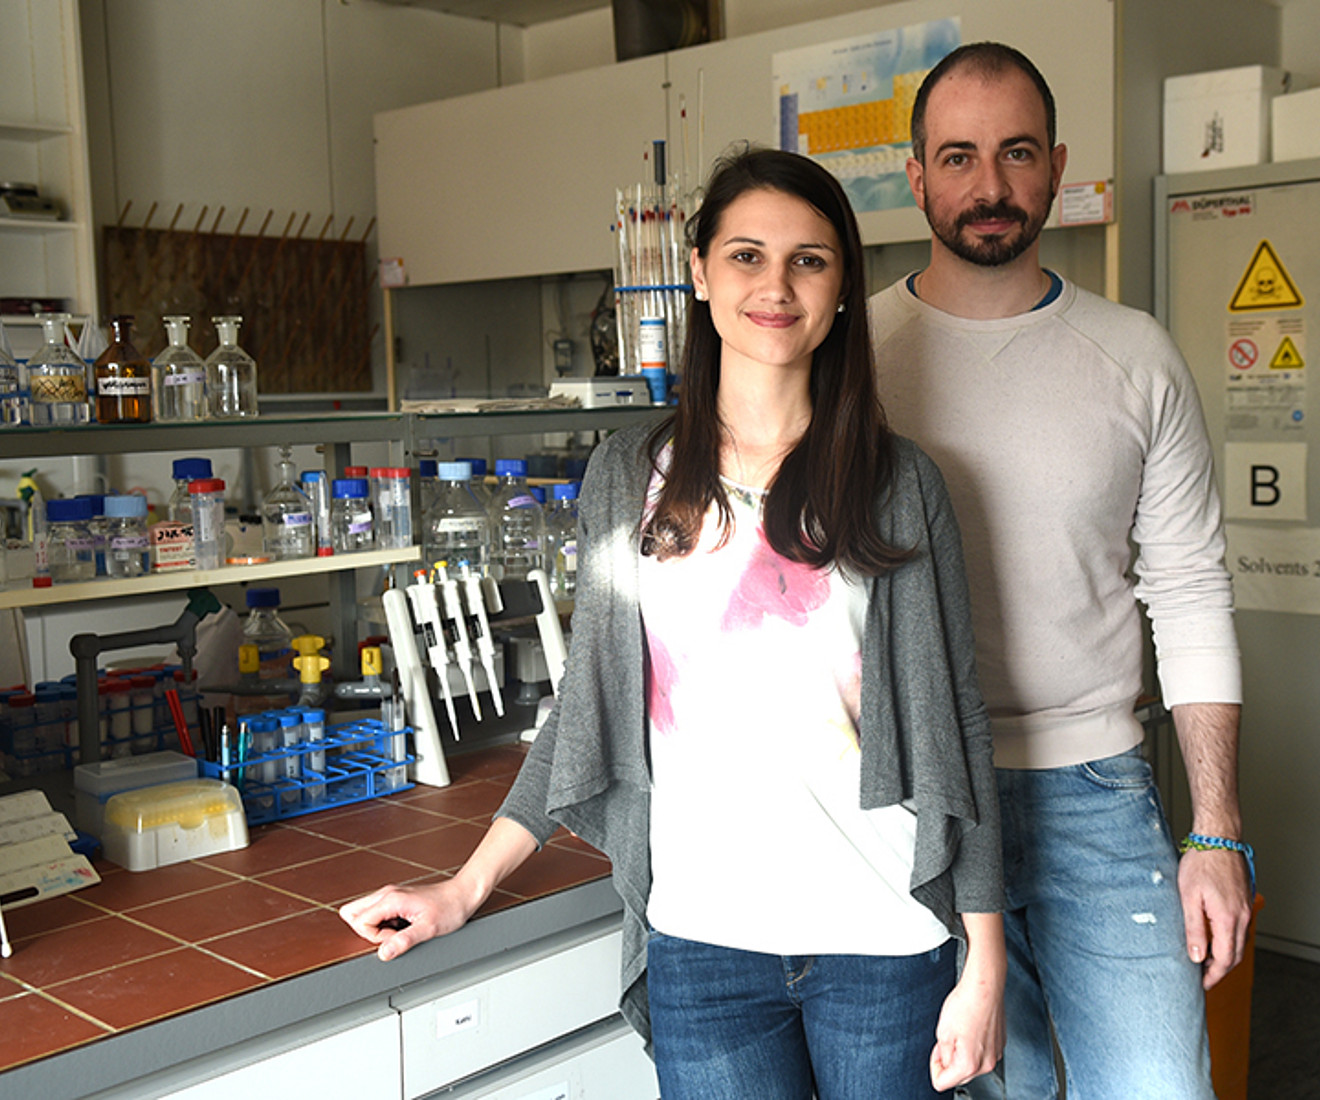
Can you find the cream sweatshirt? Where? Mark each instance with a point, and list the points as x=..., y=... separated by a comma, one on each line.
x=1069, y=436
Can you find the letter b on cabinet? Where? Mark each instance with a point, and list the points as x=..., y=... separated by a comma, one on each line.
x=1265, y=481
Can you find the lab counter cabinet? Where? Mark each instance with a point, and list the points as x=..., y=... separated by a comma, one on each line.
x=536, y=1023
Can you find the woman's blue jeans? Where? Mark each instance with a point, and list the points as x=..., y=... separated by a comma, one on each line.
x=730, y=1024
x=1096, y=950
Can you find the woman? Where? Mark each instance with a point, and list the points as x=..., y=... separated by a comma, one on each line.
x=769, y=721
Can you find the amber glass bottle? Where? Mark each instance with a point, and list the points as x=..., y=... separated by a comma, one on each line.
x=123, y=378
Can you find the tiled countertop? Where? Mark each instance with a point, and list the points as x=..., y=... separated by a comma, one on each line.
x=143, y=947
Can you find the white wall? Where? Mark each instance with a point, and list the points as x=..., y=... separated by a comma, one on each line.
x=583, y=41
x=1299, y=39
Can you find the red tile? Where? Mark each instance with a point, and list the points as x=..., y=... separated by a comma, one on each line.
x=497, y=901
x=36, y=1027
x=57, y=956
x=501, y=762
x=564, y=839
x=442, y=849
x=553, y=869
x=48, y=915
x=154, y=988
x=371, y=824
x=475, y=800
x=340, y=878
x=272, y=848
x=218, y=912
x=294, y=945
x=122, y=892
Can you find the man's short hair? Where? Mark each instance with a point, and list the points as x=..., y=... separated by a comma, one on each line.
x=985, y=59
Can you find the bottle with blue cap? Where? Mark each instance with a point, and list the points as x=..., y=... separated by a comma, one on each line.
x=127, y=549
x=351, y=526
x=561, y=542
x=70, y=549
x=185, y=471
x=456, y=528
x=264, y=629
x=518, y=523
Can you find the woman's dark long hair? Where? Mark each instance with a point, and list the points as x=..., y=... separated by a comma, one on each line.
x=821, y=505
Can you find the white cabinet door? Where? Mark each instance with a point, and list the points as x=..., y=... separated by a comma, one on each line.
x=479, y=1024
x=607, y=1063
x=361, y=1062
x=515, y=181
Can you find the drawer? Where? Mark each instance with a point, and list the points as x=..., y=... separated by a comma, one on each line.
x=606, y=1062
x=534, y=999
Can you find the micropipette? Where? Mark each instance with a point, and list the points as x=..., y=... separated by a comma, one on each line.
x=426, y=610
x=456, y=628
x=479, y=627
x=430, y=767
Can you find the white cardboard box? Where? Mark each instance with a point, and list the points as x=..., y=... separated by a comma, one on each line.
x=1219, y=119
x=1296, y=125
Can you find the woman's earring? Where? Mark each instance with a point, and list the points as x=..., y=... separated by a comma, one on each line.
x=699, y=295
x=841, y=308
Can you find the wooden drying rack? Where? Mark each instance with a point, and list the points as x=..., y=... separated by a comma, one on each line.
x=304, y=300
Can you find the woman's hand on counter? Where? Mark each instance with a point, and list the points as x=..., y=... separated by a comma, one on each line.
x=397, y=918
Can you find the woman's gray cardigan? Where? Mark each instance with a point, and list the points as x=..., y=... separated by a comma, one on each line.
x=925, y=735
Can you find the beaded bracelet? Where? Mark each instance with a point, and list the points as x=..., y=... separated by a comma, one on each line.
x=1197, y=842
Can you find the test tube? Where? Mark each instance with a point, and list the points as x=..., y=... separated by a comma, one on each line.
x=313, y=763
x=291, y=736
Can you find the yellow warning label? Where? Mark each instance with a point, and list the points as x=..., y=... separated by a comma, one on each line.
x=1287, y=357
x=1265, y=284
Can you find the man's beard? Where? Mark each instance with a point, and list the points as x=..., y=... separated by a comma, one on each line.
x=988, y=251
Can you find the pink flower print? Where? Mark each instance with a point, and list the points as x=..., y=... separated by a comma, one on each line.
x=662, y=673
x=773, y=585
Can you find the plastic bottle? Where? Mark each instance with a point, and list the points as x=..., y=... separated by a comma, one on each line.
x=561, y=542
x=264, y=629
x=123, y=378
x=178, y=376
x=518, y=523
x=350, y=516
x=391, y=500
x=57, y=378
x=288, y=530
x=184, y=471
x=208, y=519
x=127, y=552
x=231, y=374
x=69, y=545
x=456, y=530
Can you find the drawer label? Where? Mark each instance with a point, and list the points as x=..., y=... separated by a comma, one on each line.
x=458, y=1018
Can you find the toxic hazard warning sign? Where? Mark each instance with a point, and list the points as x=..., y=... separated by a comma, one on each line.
x=1265, y=284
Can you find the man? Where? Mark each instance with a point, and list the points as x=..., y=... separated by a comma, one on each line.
x=1066, y=425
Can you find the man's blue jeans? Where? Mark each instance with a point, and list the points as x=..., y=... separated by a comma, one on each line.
x=1095, y=941
x=731, y=1024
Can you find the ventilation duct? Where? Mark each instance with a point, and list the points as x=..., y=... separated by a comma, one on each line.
x=643, y=27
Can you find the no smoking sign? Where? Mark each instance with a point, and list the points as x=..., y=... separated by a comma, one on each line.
x=1243, y=354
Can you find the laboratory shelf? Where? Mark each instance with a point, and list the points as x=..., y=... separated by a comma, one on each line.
x=107, y=588
x=307, y=428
